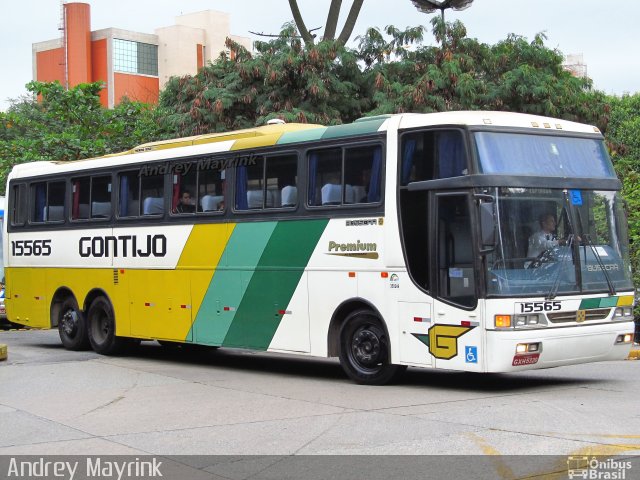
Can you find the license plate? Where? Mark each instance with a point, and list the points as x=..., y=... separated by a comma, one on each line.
x=525, y=359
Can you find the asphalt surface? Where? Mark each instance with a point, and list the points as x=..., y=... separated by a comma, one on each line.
x=156, y=401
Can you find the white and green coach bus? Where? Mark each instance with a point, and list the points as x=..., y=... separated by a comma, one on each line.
x=395, y=241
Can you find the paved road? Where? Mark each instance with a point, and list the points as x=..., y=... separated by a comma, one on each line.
x=161, y=402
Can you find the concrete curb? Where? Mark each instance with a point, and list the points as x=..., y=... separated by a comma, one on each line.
x=3, y=352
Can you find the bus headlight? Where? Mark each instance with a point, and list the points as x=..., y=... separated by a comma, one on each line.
x=624, y=338
x=530, y=320
x=523, y=348
x=623, y=313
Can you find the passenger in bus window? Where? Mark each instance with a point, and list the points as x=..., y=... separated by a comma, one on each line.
x=185, y=205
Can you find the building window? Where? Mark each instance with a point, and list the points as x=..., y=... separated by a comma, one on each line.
x=135, y=57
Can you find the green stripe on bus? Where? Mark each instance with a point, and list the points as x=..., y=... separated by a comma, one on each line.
x=230, y=281
x=351, y=129
x=588, y=303
x=272, y=285
x=302, y=136
x=608, y=302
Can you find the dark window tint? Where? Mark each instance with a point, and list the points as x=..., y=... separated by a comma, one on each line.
x=211, y=187
x=47, y=201
x=184, y=190
x=432, y=155
x=17, y=203
x=91, y=197
x=339, y=176
x=456, y=278
x=141, y=193
x=129, y=200
x=268, y=182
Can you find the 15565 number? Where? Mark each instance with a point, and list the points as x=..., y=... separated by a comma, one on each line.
x=28, y=248
x=529, y=307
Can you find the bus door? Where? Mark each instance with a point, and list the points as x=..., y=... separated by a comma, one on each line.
x=455, y=335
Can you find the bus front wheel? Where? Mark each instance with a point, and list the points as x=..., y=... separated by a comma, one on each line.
x=364, y=350
x=102, y=328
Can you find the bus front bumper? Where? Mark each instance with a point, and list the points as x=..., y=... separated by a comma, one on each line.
x=515, y=350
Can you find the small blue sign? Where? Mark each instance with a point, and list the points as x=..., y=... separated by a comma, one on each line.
x=576, y=197
x=470, y=354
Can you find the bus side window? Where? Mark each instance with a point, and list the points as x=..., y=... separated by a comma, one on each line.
x=17, y=205
x=101, y=197
x=281, y=173
x=47, y=201
x=80, y=190
x=250, y=185
x=343, y=176
x=432, y=155
x=363, y=174
x=129, y=194
x=183, y=183
x=152, y=194
x=210, y=189
x=325, y=177
x=260, y=186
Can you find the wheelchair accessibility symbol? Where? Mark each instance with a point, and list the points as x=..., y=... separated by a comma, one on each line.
x=470, y=354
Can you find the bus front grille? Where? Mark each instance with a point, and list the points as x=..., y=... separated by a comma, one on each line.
x=565, y=317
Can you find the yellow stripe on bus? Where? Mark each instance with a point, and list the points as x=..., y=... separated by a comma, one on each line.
x=201, y=254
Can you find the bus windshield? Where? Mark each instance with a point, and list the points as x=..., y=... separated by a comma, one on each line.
x=543, y=155
x=557, y=241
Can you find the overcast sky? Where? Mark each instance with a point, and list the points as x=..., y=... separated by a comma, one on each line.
x=606, y=33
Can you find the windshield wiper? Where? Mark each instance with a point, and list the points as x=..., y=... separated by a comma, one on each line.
x=612, y=289
x=556, y=283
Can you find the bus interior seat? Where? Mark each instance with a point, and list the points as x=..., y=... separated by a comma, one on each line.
x=211, y=203
x=153, y=206
x=289, y=196
x=273, y=196
x=83, y=211
x=100, y=209
x=53, y=213
x=331, y=194
x=133, y=208
x=349, y=194
x=360, y=194
x=254, y=199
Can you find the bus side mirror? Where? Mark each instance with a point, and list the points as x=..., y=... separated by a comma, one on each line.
x=487, y=224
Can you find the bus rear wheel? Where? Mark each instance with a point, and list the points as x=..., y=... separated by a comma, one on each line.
x=364, y=350
x=72, y=326
x=101, y=324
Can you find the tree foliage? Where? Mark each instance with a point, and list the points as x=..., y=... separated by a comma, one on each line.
x=58, y=124
x=623, y=137
x=285, y=79
x=390, y=71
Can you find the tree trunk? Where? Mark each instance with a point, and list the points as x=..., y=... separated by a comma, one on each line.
x=347, y=30
x=332, y=20
x=304, y=32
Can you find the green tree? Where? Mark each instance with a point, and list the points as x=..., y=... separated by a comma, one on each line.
x=284, y=79
x=58, y=125
x=623, y=137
